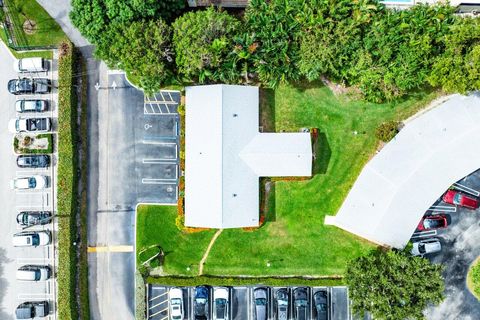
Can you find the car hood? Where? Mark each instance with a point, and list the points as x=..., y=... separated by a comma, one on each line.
x=12, y=125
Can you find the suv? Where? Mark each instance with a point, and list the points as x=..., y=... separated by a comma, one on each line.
x=33, y=161
x=23, y=106
x=31, y=238
x=221, y=302
x=260, y=299
x=29, y=86
x=300, y=302
x=33, y=218
x=201, y=302
x=281, y=304
x=29, y=310
x=33, y=273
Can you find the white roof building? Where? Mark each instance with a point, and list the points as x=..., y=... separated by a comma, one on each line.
x=397, y=187
x=225, y=154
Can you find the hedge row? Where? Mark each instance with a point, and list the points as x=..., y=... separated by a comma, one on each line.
x=242, y=281
x=66, y=185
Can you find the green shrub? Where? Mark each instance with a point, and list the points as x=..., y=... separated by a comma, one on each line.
x=66, y=185
x=240, y=281
x=27, y=150
x=387, y=130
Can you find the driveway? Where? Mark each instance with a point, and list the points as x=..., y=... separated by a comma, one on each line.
x=13, y=292
x=460, y=247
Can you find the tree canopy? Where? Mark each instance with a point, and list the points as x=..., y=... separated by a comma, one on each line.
x=202, y=42
x=393, y=285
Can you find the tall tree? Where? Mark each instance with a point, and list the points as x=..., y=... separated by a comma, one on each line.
x=393, y=285
x=202, y=41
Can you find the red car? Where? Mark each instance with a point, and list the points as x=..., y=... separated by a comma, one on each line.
x=457, y=198
x=437, y=221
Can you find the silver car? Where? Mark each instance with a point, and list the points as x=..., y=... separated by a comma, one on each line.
x=427, y=246
x=260, y=299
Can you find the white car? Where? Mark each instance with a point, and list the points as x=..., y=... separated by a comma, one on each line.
x=30, y=125
x=33, y=182
x=31, y=239
x=30, y=65
x=426, y=246
x=175, y=297
x=33, y=273
x=31, y=105
x=220, y=303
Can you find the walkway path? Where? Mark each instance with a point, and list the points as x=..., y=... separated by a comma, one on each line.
x=207, y=252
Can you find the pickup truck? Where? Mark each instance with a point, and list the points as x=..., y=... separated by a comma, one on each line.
x=30, y=125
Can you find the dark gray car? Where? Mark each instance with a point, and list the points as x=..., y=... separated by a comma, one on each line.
x=29, y=86
x=33, y=161
x=320, y=298
x=29, y=310
x=300, y=302
x=33, y=218
x=281, y=304
x=260, y=299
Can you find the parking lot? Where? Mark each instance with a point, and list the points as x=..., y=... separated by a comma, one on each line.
x=12, y=291
x=459, y=241
x=242, y=306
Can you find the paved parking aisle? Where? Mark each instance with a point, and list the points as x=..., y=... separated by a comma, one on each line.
x=13, y=292
x=157, y=308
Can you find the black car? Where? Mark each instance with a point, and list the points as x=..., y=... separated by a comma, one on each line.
x=33, y=161
x=300, y=303
x=200, y=302
x=320, y=298
x=33, y=218
x=29, y=310
x=29, y=86
x=281, y=304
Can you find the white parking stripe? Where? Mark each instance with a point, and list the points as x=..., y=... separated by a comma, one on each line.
x=158, y=181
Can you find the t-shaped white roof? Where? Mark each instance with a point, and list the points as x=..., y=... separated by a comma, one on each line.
x=225, y=155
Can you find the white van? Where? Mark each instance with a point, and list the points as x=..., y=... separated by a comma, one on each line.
x=30, y=65
x=33, y=273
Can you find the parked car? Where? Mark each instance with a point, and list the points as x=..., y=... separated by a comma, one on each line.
x=426, y=246
x=201, y=301
x=175, y=297
x=281, y=304
x=30, y=310
x=220, y=303
x=30, y=125
x=300, y=303
x=33, y=161
x=437, y=221
x=31, y=238
x=33, y=218
x=33, y=273
x=260, y=299
x=29, y=86
x=31, y=105
x=460, y=199
x=320, y=298
x=33, y=182
x=30, y=65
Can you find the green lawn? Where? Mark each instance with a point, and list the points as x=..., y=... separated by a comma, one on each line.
x=156, y=225
x=296, y=242
x=47, y=31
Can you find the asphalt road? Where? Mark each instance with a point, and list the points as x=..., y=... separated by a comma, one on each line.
x=460, y=247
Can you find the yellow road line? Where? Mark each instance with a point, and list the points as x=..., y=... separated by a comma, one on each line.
x=110, y=249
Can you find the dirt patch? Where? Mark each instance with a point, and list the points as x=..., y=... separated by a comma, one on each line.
x=29, y=27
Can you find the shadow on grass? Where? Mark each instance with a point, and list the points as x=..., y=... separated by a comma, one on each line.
x=267, y=110
x=269, y=202
x=321, y=154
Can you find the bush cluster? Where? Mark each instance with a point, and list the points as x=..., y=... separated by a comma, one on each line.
x=384, y=53
x=387, y=131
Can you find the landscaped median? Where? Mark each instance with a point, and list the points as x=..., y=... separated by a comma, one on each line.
x=66, y=185
x=294, y=240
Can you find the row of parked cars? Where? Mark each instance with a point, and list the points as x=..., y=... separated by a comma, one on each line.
x=27, y=220
x=439, y=221
x=288, y=303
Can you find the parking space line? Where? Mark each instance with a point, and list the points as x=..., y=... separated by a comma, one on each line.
x=159, y=161
x=443, y=208
x=159, y=304
x=159, y=296
x=158, y=181
x=466, y=189
x=159, y=312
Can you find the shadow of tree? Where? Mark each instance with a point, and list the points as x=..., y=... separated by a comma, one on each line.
x=4, y=283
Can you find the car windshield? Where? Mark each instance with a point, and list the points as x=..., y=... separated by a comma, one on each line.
x=221, y=302
x=301, y=303
x=322, y=307
x=175, y=301
x=35, y=240
x=421, y=248
x=432, y=223
x=201, y=300
x=457, y=199
x=32, y=183
x=282, y=302
x=38, y=104
x=260, y=301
